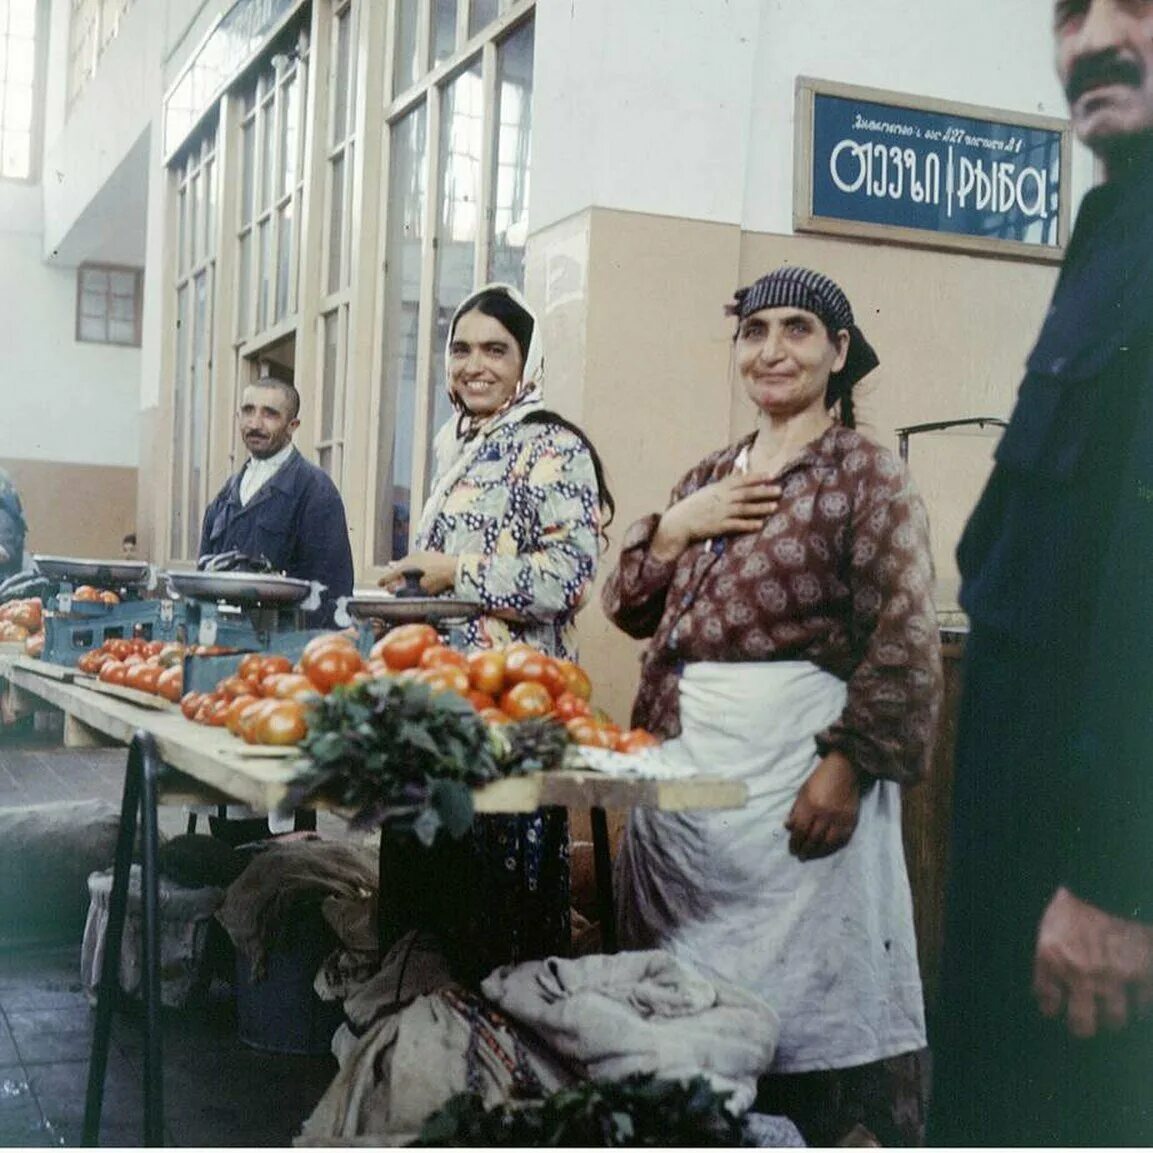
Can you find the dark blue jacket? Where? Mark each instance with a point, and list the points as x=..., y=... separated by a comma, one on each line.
x=296, y=520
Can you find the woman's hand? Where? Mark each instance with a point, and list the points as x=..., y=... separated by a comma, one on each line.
x=438, y=571
x=734, y=505
x=824, y=814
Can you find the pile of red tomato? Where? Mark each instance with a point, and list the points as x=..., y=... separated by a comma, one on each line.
x=23, y=620
x=264, y=701
x=147, y=666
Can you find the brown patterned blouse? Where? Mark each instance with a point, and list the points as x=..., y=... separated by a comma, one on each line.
x=841, y=575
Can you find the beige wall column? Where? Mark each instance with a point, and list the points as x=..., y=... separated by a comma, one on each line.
x=638, y=353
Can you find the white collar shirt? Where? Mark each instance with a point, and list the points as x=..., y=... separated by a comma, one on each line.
x=258, y=473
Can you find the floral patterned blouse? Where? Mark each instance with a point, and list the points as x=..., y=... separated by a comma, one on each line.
x=841, y=575
x=524, y=521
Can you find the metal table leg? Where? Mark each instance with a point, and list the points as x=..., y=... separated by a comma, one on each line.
x=603, y=871
x=140, y=797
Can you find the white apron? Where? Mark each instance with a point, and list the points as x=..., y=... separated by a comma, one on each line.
x=829, y=943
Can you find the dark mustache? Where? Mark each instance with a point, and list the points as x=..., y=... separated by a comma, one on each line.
x=1091, y=72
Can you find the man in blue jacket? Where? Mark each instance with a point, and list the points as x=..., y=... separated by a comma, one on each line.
x=281, y=507
x=1044, y=1034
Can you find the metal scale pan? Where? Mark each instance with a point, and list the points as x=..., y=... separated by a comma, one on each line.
x=95, y=572
x=375, y=604
x=240, y=588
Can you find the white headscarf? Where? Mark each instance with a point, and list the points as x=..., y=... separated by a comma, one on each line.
x=455, y=445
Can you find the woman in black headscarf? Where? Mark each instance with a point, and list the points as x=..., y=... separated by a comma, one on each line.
x=787, y=594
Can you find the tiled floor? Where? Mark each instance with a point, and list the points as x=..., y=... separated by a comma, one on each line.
x=217, y=1091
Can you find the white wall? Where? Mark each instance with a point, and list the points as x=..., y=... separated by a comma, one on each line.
x=687, y=109
x=61, y=400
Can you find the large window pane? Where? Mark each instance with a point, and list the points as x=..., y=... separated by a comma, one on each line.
x=289, y=129
x=511, y=156
x=243, y=284
x=462, y=130
x=247, y=190
x=481, y=14
x=179, y=402
x=284, y=261
x=331, y=363
x=408, y=62
x=198, y=392
x=342, y=78
x=264, y=276
x=336, y=224
x=406, y=230
x=444, y=30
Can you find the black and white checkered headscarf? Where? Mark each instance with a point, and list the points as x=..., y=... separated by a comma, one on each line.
x=793, y=287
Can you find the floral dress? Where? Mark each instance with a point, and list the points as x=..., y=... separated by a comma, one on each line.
x=519, y=507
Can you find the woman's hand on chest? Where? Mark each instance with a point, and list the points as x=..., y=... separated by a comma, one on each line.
x=736, y=504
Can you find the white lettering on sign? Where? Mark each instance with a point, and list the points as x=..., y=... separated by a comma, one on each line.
x=889, y=172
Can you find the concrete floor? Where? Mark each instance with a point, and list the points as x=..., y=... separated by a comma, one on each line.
x=217, y=1091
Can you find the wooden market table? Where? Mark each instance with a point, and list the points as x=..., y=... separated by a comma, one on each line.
x=174, y=760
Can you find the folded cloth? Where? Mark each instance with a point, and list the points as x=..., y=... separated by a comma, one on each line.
x=405, y=1051
x=264, y=904
x=642, y=1013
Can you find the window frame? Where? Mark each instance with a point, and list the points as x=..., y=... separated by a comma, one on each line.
x=428, y=89
x=39, y=91
x=137, y=303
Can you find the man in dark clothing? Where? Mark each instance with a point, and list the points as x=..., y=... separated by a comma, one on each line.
x=1044, y=1035
x=12, y=528
x=280, y=507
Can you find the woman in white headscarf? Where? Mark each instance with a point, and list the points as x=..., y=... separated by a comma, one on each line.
x=514, y=517
x=513, y=523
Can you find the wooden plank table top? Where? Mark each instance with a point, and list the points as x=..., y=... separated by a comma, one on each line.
x=259, y=777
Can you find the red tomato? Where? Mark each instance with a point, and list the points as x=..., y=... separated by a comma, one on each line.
x=27, y=614
x=108, y=597
x=552, y=678
x=634, y=740
x=403, y=646
x=486, y=671
x=213, y=710
x=85, y=593
x=576, y=679
x=331, y=665
x=250, y=667
x=143, y=677
x=495, y=717
x=118, y=647
x=479, y=701
x=569, y=705
x=292, y=687
x=113, y=672
x=233, y=687
x=280, y=723
x=189, y=703
x=324, y=640
x=526, y=699
x=447, y=678
x=438, y=656
x=276, y=663
x=34, y=645
x=523, y=663
x=237, y=707
x=171, y=683
x=586, y=731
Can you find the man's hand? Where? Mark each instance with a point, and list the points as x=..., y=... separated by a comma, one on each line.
x=1094, y=968
x=733, y=505
x=824, y=814
x=438, y=569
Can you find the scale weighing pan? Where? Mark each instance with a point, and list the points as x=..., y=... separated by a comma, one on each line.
x=375, y=604
x=240, y=587
x=66, y=568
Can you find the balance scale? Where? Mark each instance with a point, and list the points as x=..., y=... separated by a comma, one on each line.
x=73, y=627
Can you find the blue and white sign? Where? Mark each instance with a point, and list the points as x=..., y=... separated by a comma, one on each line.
x=944, y=174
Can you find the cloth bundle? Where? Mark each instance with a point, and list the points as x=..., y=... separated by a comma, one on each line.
x=262, y=905
x=413, y=1039
x=642, y=1013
